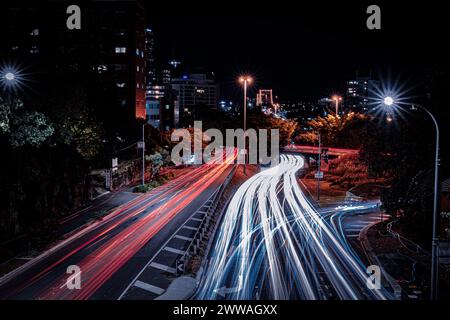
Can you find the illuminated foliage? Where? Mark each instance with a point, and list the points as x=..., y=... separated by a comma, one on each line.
x=23, y=127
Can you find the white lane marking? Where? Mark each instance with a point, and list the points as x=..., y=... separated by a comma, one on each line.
x=196, y=219
x=173, y=250
x=190, y=228
x=162, y=267
x=183, y=238
x=150, y=288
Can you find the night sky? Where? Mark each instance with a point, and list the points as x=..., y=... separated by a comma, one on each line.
x=304, y=52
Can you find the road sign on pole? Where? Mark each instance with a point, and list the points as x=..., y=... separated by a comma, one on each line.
x=318, y=175
x=114, y=164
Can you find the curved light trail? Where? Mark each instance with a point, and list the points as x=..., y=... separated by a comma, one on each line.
x=274, y=244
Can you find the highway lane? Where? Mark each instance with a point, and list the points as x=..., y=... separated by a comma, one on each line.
x=110, y=251
x=273, y=244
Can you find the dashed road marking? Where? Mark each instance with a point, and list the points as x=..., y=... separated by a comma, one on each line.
x=173, y=250
x=162, y=267
x=150, y=288
x=183, y=238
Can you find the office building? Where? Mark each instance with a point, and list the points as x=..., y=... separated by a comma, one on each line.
x=194, y=91
x=106, y=57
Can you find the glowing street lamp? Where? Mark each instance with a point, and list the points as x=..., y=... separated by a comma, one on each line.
x=336, y=99
x=389, y=102
x=10, y=76
x=245, y=80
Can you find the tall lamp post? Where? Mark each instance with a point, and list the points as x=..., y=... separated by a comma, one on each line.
x=336, y=100
x=245, y=80
x=142, y=144
x=389, y=102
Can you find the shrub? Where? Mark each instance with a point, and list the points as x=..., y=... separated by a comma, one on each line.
x=141, y=188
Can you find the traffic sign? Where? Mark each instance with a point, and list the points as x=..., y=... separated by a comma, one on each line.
x=114, y=164
x=319, y=175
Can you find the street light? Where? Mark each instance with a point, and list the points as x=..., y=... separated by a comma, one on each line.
x=142, y=143
x=245, y=80
x=390, y=103
x=10, y=76
x=336, y=99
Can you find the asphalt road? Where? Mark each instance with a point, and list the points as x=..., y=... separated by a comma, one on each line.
x=111, y=252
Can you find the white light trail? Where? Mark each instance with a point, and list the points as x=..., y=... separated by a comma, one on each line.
x=273, y=243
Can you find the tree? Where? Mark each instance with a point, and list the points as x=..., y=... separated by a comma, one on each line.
x=345, y=131
x=158, y=160
x=286, y=128
x=75, y=124
x=22, y=126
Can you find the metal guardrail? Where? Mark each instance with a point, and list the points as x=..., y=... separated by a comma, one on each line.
x=199, y=235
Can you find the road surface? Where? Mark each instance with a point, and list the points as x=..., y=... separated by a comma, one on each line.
x=274, y=244
x=111, y=252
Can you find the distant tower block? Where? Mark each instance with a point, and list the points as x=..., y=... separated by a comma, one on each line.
x=264, y=98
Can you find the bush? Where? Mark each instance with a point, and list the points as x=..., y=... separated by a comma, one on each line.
x=154, y=184
x=141, y=188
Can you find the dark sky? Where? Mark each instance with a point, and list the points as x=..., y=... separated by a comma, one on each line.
x=301, y=52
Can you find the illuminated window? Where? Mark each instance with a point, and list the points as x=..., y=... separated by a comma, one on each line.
x=34, y=49
x=121, y=50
